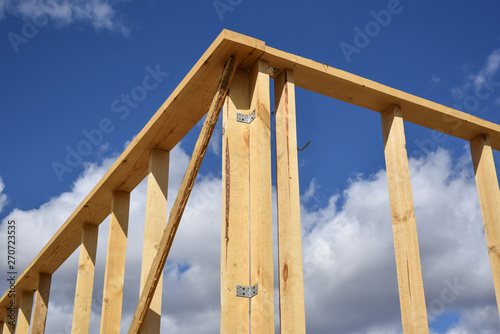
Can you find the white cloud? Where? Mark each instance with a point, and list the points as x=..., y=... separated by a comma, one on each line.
x=349, y=268
x=3, y=197
x=489, y=69
x=478, y=86
x=99, y=13
x=480, y=320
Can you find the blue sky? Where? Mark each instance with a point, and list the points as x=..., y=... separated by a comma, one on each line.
x=67, y=65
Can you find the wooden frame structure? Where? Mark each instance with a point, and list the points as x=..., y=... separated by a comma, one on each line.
x=247, y=65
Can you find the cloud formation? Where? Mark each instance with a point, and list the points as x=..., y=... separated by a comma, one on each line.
x=3, y=197
x=101, y=14
x=478, y=86
x=349, y=268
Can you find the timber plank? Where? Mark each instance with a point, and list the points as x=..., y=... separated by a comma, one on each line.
x=235, y=246
x=261, y=220
x=24, y=315
x=85, y=280
x=114, y=275
x=153, y=278
x=291, y=279
x=41, y=304
x=409, y=271
x=489, y=200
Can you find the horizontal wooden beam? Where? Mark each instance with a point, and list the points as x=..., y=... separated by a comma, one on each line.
x=188, y=104
x=353, y=89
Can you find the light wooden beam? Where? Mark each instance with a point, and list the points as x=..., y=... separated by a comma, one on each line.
x=85, y=280
x=489, y=200
x=404, y=227
x=181, y=111
x=24, y=316
x=186, y=106
x=7, y=327
x=291, y=280
x=41, y=304
x=261, y=226
x=235, y=246
x=182, y=197
x=115, y=264
x=156, y=215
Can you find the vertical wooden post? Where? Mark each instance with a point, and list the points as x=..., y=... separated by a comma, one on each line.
x=404, y=227
x=41, y=304
x=156, y=218
x=85, y=280
x=235, y=208
x=261, y=230
x=1, y=327
x=24, y=316
x=8, y=329
x=489, y=200
x=115, y=264
x=291, y=280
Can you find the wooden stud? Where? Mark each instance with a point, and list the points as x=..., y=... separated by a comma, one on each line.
x=24, y=315
x=235, y=246
x=156, y=216
x=291, y=280
x=85, y=280
x=186, y=106
x=1, y=327
x=8, y=328
x=177, y=210
x=411, y=289
x=41, y=304
x=489, y=200
x=115, y=264
x=261, y=226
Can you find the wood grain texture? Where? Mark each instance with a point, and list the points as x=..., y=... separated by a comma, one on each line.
x=186, y=106
x=181, y=111
x=24, y=315
x=41, y=304
x=489, y=200
x=291, y=279
x=235, y=246
x=156, y=217
x=168, y=235
x=404, y=227
x=7, y=328
x=261, y=226
x=85, y=280
x=115, y=264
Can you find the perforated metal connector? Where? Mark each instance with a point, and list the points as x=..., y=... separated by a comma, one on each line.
x=247, y=291
x=243, y=118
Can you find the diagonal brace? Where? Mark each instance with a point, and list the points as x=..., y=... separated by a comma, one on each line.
x=182, y=196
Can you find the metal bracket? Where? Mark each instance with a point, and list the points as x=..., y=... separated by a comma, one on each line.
x=246, y=291
x=243, y=118
x=273, y=71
